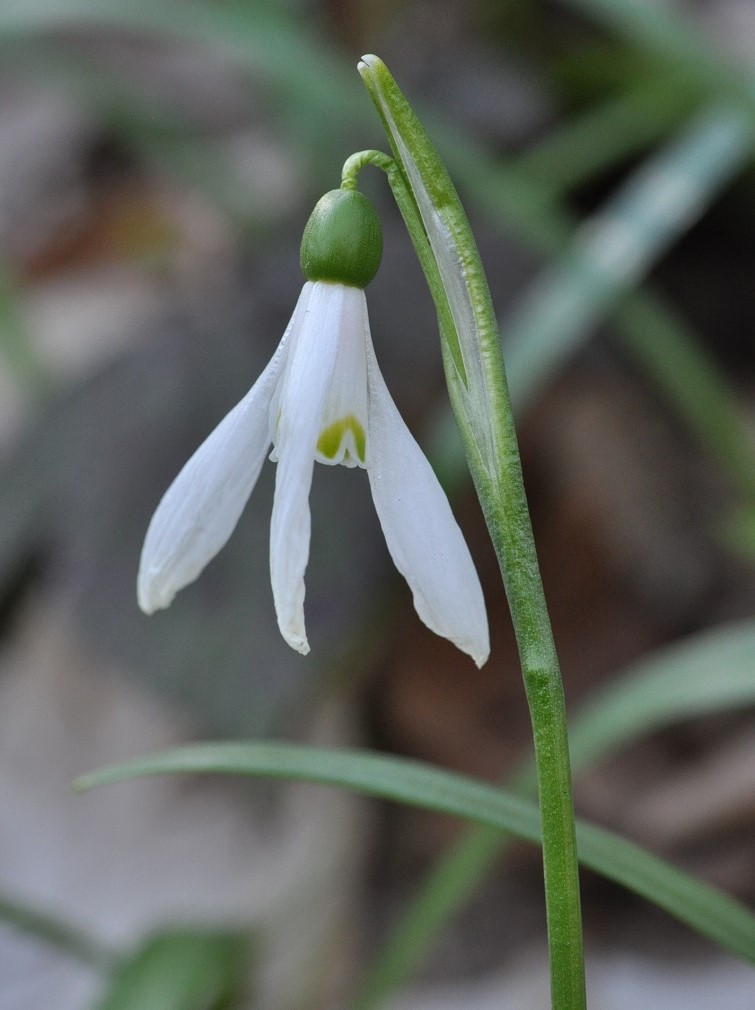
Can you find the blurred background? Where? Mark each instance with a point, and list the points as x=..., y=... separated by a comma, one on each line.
x=157, y=164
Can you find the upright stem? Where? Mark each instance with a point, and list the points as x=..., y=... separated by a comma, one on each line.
x=511, y=532
x=476, y=379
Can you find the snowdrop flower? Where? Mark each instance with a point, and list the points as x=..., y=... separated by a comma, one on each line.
x=321, y=397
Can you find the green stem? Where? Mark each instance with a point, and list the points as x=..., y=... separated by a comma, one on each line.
x=479, y=395
x=515, y=549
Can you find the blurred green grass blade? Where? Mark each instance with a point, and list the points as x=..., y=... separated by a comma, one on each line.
x=23, y=362
x=449, y=883
x=614, y=249
x=711, y=913
x=261, y=38
x=310, y=82
x=57, y=932
x=692, y=383
x=156, y=135
x=656, y=28
x=739, y=533
x=606, y=134
x=710, y=672
x=707, y=673
x=182, y=969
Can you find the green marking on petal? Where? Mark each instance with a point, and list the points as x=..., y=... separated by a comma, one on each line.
x=330, y=439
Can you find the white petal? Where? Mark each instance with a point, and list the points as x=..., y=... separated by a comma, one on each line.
x=423, y=537
x=200, y=509
x=343, y=430
x=300, y=411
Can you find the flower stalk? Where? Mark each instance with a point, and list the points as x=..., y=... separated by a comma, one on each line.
x=479, y=395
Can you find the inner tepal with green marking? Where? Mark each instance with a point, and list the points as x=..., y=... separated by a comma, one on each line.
x=346, y=439
x=342, y=244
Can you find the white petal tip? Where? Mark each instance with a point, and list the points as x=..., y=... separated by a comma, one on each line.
x=150, y=606
x=295, y=636
x=480, y=659
x=301, y=645
x=477, y=647
x=150, y=596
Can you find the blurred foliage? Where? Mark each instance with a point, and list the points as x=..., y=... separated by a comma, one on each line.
x=182, y=970
x=57, y=932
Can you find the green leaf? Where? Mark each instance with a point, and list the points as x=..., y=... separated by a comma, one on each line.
x=181, y=969
x=712, y=913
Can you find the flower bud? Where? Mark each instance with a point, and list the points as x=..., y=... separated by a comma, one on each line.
x=343, y=240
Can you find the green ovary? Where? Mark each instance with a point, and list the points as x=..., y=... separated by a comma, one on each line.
x=330, y=439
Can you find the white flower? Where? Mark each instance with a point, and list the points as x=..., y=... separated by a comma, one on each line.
x=321, y=397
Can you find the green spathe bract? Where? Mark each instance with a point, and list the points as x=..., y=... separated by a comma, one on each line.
x=343, y=240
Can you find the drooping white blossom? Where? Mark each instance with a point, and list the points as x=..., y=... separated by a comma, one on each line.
x=322, y=397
